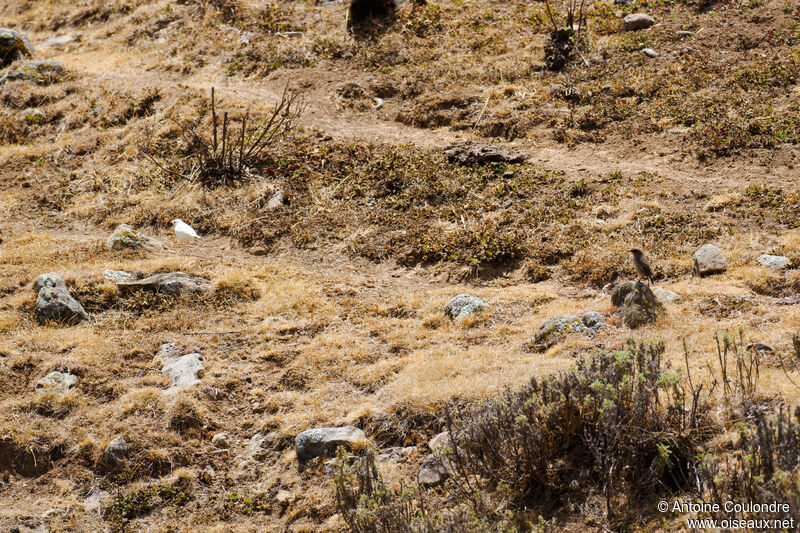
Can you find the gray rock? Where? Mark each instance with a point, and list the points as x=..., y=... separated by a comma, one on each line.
x=625, y=3
x=435, y=470
x=276, y=200
x=637, y=21
x=791, y=300
x=127, y=237
x=259, y=446
x=684, y=33
x=759, y=347
x=471, y=153
x=114, y=456
x=58, y=305
x=708, y=259
x=117, y=275
x=56, y=381
x=175, y=283
x=649, y=52
x=637, y=304
x=774, y=261
x=323, y=442
x=395, y=454
x=38, y=71
x=93, y=503
x=220, y=440
x=552, y=329
x=464, y=305
x=664, y=296
x=13, y=46
x=184, y=371
x=51, y=279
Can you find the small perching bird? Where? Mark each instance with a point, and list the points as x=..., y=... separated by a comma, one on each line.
x=183, y=231
x=642, y=264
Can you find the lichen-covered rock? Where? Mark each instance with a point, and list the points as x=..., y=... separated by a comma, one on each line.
x=637, y=304
x=637, y=21
x=38, y=71
x=117, y=275
x=58, y=305
x=127, y=237
x=708, y=259
x=396, y=454
x=56, y=382
x=220, y=440
x=323, y=442
x=13, y=46
x=552, y=329
x=51, y=279
x=464, y=305
x=114, y=456
x=174, y=283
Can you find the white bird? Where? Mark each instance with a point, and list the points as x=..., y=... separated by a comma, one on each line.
x=183, y=231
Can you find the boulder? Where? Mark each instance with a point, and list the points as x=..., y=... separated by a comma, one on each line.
x=56, y=382
x=774, y=261
x=637, y=21
x=184, y=371
x=174, y=283
x=58, y=305
x=471, y=153
x=664, y=296
x=51, y=279
x=114, y=456
x=127, y=237
x=38, y=71
x=637, y=304
x=435, y=470
x=323, y=442
x=708, y=259
x=13, y=46
x=464, y=305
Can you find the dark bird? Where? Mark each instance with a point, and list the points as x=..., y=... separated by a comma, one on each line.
x=642, y=264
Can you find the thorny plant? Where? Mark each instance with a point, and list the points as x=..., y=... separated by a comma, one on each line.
x=232, y=148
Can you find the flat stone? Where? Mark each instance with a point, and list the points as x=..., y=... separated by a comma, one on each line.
x=59, y=41
x=323, y=442
x=175, y=283
x=792, y=300
x=184, y=371
x=471, y=153
x=649, y=52
x=39, y=71
x=127, y=237
x=774, y=261
x=395, y=454
x=665, y=296
x=684, y=33
x=637, y=21
x=464, y=305
x=759, y=347
x=708, y=259
x=117, y=275
x=435, y=470
x=56, y=381
x=552, y=329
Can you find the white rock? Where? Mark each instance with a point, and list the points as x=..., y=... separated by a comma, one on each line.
x=774, y=261
x=184, y=371
x=220, y=440
x=708, y=259
x=665, y=296
x=56, y=381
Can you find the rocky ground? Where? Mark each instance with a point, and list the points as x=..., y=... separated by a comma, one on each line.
x=443, y=219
